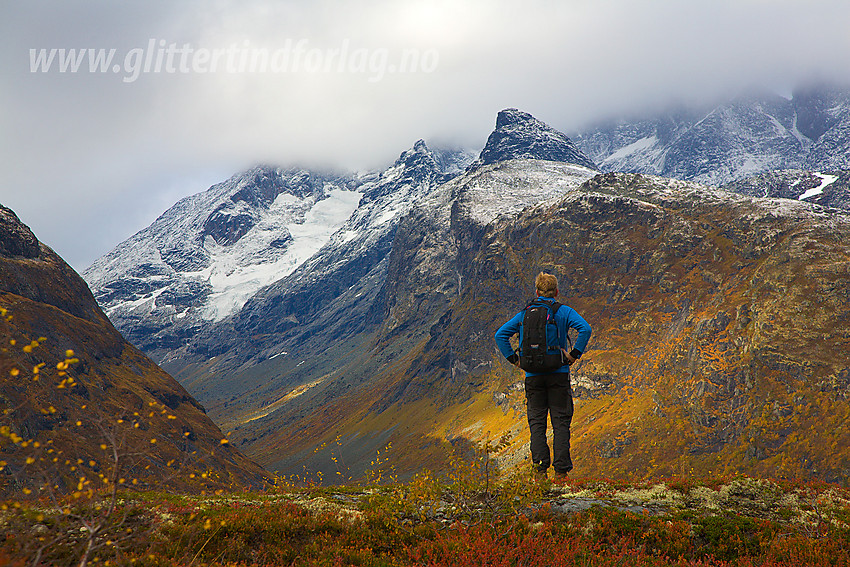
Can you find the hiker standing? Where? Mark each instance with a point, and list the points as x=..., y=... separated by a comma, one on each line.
x=543, y=332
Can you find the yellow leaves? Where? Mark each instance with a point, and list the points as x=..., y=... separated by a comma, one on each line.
x=224, y=441
x=30, y=460
x=14, y=372
x=153, y=441
x=69, y=353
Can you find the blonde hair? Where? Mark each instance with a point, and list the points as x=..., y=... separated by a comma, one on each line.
x=547, y=284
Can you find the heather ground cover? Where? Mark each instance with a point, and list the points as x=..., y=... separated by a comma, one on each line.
x=453, y=520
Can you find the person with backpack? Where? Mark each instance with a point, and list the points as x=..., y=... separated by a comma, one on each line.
x=543, y=329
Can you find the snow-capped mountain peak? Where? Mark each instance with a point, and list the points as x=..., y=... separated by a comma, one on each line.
x=205, y=256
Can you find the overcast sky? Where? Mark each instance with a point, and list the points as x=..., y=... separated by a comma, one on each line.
x=196, y=91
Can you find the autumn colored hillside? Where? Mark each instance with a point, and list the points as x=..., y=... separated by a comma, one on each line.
x=720, y=337
x=76, y=397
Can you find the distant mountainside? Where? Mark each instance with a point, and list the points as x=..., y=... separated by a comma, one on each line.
x=209, y=254
x=710, y=351
x=750, y=135
x=50, y=310
x=205, y=256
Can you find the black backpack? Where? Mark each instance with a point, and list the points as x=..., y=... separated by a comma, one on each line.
x=534, y=354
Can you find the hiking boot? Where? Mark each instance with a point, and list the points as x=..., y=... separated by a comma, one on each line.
x=560, y=477
x=540, y=475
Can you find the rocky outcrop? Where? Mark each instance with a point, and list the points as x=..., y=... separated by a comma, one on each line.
x=518, y=135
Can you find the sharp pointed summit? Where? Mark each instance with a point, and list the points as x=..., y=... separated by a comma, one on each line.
x=519, y=135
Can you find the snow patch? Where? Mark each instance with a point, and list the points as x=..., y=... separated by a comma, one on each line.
x=235, y=273
x=825, y=181
x=639, y=146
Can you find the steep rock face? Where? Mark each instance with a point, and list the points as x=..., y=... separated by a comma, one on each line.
x=824, y=116
x=743, y=137
x=518, y=135
x=16, y=239
x=49, y=310
x=819, y=108
x=354, y=251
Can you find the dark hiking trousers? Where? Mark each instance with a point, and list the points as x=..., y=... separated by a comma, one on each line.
x=550, y=394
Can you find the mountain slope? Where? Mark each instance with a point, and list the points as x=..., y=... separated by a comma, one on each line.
x=719, y=318
x=48, y=303
x=743, y=137
x=298, y=334
x=691, y=293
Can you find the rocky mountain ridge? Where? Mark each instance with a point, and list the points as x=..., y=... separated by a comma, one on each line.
x=519, y=135
x=749, y=135
x=204, y=258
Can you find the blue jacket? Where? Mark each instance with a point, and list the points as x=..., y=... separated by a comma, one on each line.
x=566, y=318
